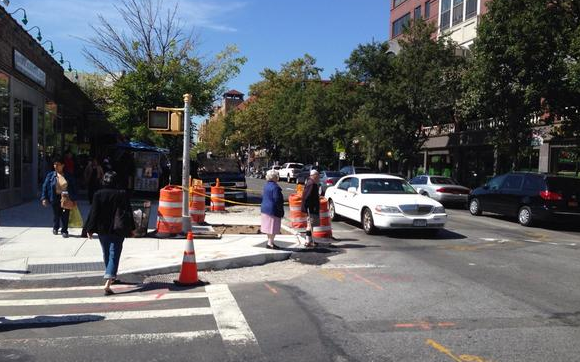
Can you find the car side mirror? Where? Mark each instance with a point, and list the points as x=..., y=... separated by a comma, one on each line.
x=351, y=190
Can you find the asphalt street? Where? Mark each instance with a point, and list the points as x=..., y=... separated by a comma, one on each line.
x=484, y=289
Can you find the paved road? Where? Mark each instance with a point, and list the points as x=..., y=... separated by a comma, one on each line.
x=485, y=289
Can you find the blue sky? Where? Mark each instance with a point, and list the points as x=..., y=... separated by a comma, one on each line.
x=267, y=32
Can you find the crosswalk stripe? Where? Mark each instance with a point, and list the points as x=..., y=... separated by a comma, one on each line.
x=91, y=317
x=118, y=298
x=65, y=289
x=229, y=318
x=114, y=339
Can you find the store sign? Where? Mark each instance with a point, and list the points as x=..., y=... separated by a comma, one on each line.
x=29, y=69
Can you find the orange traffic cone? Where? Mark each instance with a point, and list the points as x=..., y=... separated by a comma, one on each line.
x=188, y=274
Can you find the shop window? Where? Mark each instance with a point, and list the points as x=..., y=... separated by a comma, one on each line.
x=17, y=142
x=4, y=131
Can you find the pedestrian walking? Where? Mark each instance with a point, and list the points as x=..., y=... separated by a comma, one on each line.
x=311, y=205
x=111, y=218
x=59, y=191
x=93, y=177
x=272, y=208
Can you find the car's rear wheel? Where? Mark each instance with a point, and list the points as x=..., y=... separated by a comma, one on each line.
x=475, y=207
x=368, y=223
x=525, y=216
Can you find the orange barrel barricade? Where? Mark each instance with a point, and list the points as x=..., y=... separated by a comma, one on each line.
x=218, y=202
x=169, y=219
x=197, y=204
x=297, y=217
x=323, y=232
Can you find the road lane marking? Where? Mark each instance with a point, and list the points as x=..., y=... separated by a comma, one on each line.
x=352, y=266
x=370, y=282
x=271, y=289
x=114, y=339
x=116, y=298
x=92, y=317
x=449, y=353
x=231, y=323
x=333, y=274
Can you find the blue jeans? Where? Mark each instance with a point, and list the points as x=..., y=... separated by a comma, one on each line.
x=112, y=246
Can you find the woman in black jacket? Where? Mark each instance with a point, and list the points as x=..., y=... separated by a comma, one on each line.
x=106, y=202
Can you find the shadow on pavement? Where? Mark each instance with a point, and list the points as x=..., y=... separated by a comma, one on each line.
x=553, y=226
x=443, y=234
x=41, y=321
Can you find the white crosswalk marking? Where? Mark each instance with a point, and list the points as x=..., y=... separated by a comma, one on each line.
x=72, y=318
x=228, y=321
x=119, y=298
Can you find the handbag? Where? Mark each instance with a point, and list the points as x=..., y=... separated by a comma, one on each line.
x=67, y=203
x=123, y=223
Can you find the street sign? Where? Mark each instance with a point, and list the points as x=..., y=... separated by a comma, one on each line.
x=339, y=147
x=342, y=156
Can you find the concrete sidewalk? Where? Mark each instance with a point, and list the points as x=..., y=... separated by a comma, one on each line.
x=28, y=250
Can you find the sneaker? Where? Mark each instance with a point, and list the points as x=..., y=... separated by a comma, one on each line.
x=54, y=232
x=64, y=234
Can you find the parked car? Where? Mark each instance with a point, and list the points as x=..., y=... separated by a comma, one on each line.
x=289, y=171
x=353, y=170
x=305, y=173
x=384, y=202
x=530, y=197
x=441, y=188
x=328, y=179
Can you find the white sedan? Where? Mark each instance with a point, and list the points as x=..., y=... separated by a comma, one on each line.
x=384, y=202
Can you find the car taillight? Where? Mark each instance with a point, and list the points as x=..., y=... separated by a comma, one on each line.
x=445, y=190
x=550, y=196
x=329, y=182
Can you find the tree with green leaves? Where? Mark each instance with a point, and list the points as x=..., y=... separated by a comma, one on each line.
x=152, y=62
x=518, y=72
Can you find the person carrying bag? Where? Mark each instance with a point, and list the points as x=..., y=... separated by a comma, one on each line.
x=111, y=217
x=59, y=191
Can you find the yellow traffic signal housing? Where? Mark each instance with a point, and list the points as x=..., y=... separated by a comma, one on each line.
x=177, y=122
x=159, y=120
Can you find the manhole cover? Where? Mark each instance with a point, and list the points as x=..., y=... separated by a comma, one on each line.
x=65, y=268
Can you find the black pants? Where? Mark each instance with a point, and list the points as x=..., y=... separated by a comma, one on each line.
x=59, y=215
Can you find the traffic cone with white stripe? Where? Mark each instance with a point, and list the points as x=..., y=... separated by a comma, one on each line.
x=188, y=274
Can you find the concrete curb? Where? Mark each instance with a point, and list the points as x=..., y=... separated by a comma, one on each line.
x=217, y=264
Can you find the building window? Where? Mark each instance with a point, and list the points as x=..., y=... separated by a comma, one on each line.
x=428, y=10
x=457, y=11
x=417, y=12
x=470, y=9
x=400, y=23
x=397, y=3
x=17, y=142
x=445, y=14
x=4, y=131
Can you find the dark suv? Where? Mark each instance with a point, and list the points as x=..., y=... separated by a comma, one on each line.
x=529, y=196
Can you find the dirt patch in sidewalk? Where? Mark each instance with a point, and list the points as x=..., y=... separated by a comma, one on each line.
x=242, y=229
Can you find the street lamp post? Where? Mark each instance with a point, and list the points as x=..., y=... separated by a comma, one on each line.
x=185, y=163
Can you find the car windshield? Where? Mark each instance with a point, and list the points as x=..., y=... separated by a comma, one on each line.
x=386, y=186
x=443, y=181
x=295, y=165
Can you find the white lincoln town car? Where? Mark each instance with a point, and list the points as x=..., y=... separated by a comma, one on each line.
x=384, y=202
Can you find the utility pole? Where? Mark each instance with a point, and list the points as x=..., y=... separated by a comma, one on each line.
x=185, y=163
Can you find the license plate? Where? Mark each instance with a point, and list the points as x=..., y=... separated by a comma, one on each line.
x=420, y=222
x=573, y=203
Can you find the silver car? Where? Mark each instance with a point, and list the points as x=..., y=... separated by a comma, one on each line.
x=441, y=188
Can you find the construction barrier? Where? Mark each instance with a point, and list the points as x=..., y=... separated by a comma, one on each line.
x=169, y=218
x=197, y=204
x=323, y=232
x=217, y=197
x=188, y=273
x=297, y=217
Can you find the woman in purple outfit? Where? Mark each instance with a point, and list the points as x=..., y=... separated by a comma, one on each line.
x=272, y=208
